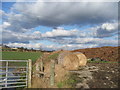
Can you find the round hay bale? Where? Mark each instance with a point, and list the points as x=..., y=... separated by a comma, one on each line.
x=68, y=60
x=82, y=58
x=71, y=62
x=62, y=55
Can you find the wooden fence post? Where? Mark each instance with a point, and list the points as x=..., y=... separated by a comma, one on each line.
x=37, y=69
x=41, y=65
x=52, y=73
x=29, y=72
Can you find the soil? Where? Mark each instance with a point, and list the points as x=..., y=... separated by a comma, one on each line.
x=103, y=75
x=105, y=53
x=97, y=75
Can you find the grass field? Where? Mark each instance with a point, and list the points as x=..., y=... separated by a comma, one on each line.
x=21, y=55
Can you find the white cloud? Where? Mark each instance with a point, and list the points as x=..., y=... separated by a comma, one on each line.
x=62, y=36
x=98, y=41
x=35, y=46
x=69, y=44
x=77, y=46
x=106, y=30
x=10, y=36
x=2, y=13
x=88, y=41
x=50, y=47
x=6, y=24
x=109, y=26
x=60, y=32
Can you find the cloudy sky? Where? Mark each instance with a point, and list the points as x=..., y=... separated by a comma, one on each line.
x=59, y=25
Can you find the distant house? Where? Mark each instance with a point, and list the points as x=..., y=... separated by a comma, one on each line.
x=14, y=49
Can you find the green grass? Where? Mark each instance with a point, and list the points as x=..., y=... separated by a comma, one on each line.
x=21, y=55
x=60, y=84
x=69, y=82
x=102, y=62
x=53, y=56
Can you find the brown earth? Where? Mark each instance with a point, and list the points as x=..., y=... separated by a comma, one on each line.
x=106, y=53
x=107, y=76
x=97, y=75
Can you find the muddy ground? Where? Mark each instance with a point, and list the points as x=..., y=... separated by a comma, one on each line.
x=97, y=75
x=106, y=75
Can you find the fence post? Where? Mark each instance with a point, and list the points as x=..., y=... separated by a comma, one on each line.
x=29, y=72
x=37, y=69
x=52, y=73
x=41, y=65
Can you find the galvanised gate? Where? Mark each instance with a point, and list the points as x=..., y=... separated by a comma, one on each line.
x=15, y=73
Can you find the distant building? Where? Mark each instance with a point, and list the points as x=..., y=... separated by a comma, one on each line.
x=14, y=48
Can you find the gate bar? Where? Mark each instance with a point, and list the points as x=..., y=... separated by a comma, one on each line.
x=15, y=60
x=13, y=86
x=6, y=73
x=13, y=76
x=15, y=67
x=13, y=80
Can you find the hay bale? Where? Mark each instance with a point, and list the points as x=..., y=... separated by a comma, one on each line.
x=82, y=58
x=68, y=60
x=71, y=62
x=62, y=55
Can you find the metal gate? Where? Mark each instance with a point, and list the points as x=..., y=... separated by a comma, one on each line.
x=15, y=73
